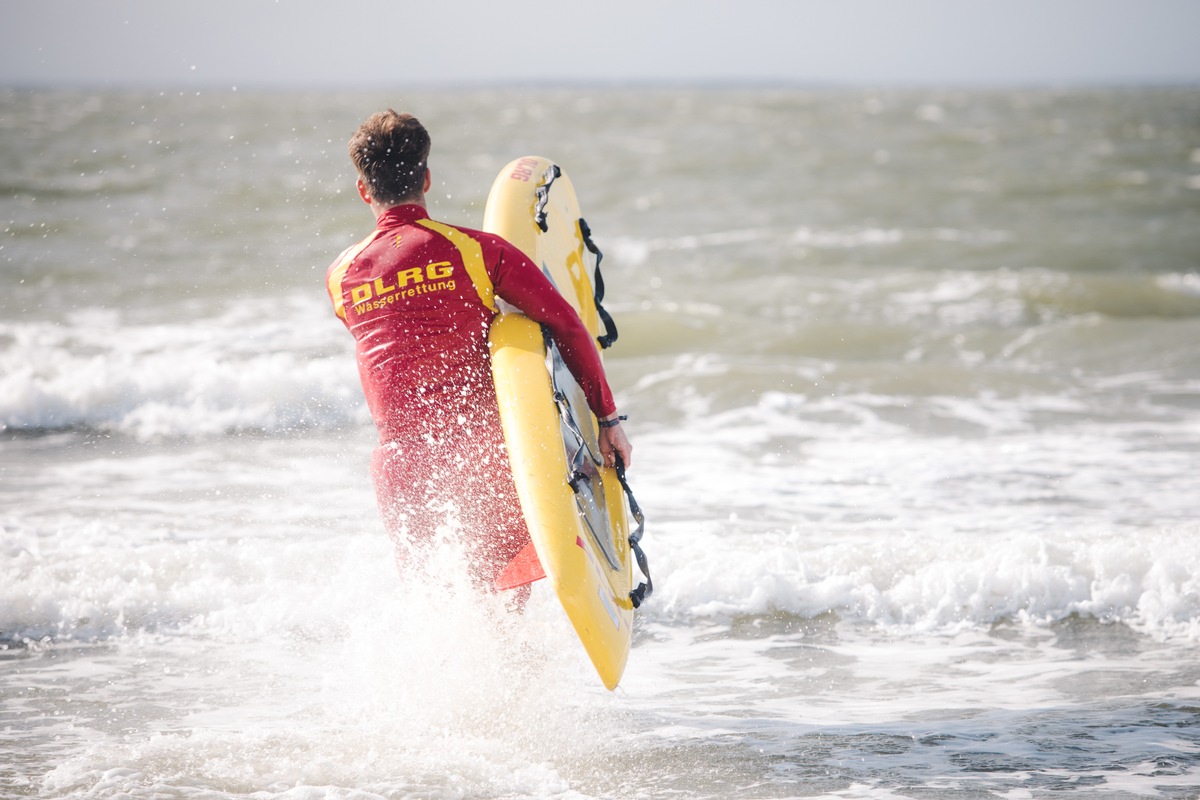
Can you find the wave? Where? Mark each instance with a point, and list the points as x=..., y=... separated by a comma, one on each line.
x=261, y=588
x=219, y=376
x=234, y=373
x=935, y=584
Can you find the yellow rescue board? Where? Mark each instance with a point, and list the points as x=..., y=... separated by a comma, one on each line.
x=581, y=533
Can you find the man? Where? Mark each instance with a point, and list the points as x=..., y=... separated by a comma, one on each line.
x=416, y=295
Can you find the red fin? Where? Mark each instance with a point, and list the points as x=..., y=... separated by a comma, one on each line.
x=524, y=568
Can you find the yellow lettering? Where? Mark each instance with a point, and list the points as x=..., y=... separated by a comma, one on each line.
x=360, y=294
x=381, y=289
x=439, y=269
x=405, y=277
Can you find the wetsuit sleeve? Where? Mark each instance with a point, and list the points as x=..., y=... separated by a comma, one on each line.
x=518, y=281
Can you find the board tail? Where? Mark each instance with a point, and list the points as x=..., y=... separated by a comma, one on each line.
x=524, y=568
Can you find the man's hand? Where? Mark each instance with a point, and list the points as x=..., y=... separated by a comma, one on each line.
x=614, y=443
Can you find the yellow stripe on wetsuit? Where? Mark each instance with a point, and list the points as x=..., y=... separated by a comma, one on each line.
x=338, y=273
x=472, y=257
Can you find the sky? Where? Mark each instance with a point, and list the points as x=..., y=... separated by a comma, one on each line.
x=370, y=43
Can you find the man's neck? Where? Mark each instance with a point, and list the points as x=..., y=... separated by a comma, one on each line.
x=380, y=209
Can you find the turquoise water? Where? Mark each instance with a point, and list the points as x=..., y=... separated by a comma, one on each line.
x=914, y=388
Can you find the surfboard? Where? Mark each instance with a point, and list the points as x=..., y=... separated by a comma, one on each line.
x=574, y=506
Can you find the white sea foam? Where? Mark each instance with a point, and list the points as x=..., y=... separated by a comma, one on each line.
x=746, y=540
x=234, y=372
x=934, y=583
x=808, y=506
x=348, y=675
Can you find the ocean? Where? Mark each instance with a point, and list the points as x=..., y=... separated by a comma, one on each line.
x=913, y=382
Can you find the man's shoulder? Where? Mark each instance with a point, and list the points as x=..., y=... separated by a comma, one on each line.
x=348, y=255
x=492, y=244
x=466, y=230
x=342, y=257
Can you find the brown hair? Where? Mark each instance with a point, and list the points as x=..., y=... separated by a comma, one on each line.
x=390, y=152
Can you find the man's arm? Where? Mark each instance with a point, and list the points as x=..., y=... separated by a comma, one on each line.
x=518, y=281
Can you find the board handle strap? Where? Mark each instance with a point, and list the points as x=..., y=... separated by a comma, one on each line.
x=646, y=588
x=543, y=196
x=541, y=217
x=610, y=327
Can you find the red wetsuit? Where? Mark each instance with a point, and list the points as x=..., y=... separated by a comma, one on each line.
x=418, y=297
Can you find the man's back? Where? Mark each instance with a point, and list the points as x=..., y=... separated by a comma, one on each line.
x=419, y=324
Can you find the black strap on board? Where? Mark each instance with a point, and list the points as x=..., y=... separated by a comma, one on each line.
x=610, y=327
x=543, y=196
x=646, y=588
x=540, y=214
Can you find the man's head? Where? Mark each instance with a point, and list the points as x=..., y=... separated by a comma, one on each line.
x=390, y=152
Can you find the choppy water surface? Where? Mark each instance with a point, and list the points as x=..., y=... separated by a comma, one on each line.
x=913, y=380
